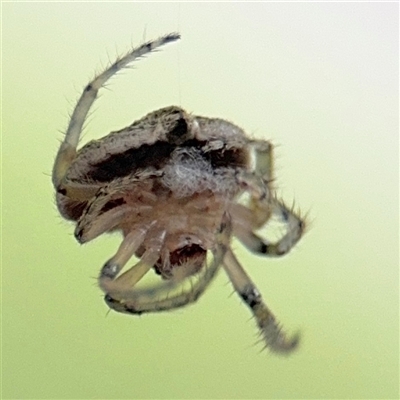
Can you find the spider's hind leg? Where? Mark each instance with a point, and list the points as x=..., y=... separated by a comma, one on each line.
x=273, y=336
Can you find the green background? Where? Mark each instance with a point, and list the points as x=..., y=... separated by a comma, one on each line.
x=321, y=81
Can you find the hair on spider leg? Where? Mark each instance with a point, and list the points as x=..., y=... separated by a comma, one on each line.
x=88, y=121
x=258, y=340
x=252, y=346
x=263, y=349
x=267, y=346
x=106, y=86
x=108, y=312
x=233, y=292
x=307, y=221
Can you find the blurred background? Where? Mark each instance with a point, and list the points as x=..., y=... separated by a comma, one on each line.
x=318, y=79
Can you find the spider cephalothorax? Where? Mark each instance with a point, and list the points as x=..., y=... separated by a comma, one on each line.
x=171, y=183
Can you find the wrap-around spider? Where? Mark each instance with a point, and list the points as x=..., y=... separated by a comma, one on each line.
x=171, y=183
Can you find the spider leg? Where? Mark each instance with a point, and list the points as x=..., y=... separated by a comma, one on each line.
x=262, y=205
x=126, y=250
x=109, y=207
x=156, y=299
x=90, y=227
x=274, y=337
x=262, y=181
x=264, y=159
x=121, y=287
x=103, y=212
x=68, y=148
x=245, y=224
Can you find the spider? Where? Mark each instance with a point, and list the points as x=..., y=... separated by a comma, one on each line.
x=171, y=183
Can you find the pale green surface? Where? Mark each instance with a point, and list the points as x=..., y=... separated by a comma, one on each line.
x=321, y=80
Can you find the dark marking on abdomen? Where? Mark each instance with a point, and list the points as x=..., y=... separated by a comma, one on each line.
x=158, y=154
x=123, y=164
x=112, y=204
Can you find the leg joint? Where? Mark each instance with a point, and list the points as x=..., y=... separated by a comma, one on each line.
x=109, y=270
x=250, y=295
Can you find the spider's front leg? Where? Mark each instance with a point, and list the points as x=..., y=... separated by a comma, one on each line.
x=262, y=205
x=272, y=334
x=158, y=298
x=246, y=224
x=120, y=288
x=68, y=149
